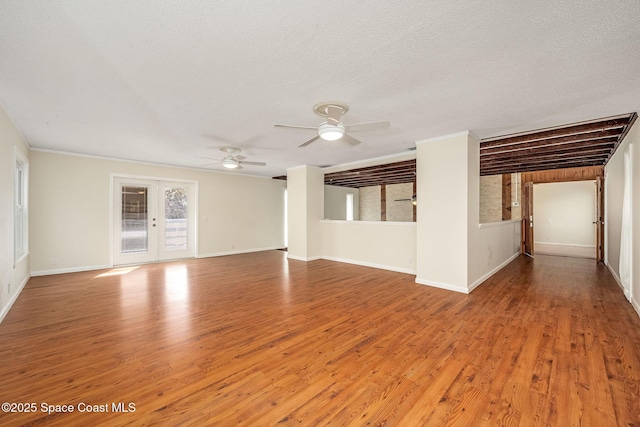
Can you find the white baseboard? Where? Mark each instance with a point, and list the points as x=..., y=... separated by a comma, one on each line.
x=636, y=306
x=617, y=279
x=69, y=270
x=305, y=259
x=237, y=252
x=564, y=249
x=370, y=264
x=102, y=267
x=472, y=286
x=446, y=286
x=634, y=303
x=13, y=299
x=494, y=271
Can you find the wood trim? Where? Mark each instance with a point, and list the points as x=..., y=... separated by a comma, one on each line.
x=383, y=202
x=600, y=219
x=527, y=218
x=506, y=197
x=564, y=175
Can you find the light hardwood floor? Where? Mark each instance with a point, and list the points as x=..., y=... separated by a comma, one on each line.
x=256, y=339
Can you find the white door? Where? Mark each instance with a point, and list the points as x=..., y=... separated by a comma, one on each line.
x=153, y=220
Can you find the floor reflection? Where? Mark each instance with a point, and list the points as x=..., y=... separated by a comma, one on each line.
x=176, y=283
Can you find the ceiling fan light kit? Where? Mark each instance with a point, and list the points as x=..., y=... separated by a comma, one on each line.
x=330, y=132
x=230, y=163
x=333, y=129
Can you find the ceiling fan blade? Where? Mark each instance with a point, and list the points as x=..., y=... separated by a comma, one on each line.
x=297, y=127
x=333, y=114
x=304, y=144
x=351, y=140
x=242, y=162
x=208, y=158
x=356, y=127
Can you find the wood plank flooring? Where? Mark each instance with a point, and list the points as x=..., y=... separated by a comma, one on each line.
x=257, y=339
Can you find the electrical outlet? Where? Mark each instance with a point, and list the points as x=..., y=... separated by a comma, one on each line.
x=516, y=204
x=54, y=260
x=8, y=288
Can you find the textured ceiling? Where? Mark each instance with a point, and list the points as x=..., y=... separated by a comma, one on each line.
x=170, y=82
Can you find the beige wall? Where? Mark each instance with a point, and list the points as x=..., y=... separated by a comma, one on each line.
x=335, y=202
x=614, y=182
x=563, y=216
x=453, y=251
x=446, y=180
x=387, y=245
x=305, y=209
x=635, y=206
x=70, y=212
x=13, y=277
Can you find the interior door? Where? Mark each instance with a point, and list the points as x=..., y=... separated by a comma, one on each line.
x=527, y=218
x=153, y=220
x=599, y=219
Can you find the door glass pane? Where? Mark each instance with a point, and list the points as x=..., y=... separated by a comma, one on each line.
x=175, y=211
x=135, y=237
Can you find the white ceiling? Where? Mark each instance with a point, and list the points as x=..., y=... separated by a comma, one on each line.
x=166, y=81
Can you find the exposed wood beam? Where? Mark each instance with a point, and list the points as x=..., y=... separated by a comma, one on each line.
x=555, y=132
x=591, y=155
x=576, y=145
x=542, y=151
x=552, y=142
x=531, y=168
x=624, y=133
x=383, y=202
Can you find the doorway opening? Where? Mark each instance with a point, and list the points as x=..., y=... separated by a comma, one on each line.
x=565, y=217
x=576, y=227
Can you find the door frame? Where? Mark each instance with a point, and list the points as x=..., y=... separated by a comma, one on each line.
x=527, y=218
x=589, y=173
x=112, y=179
x=599, y=220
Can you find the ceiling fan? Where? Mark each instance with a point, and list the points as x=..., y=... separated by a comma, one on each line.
x=413, y=200
x=232, y=160
x=333, y=129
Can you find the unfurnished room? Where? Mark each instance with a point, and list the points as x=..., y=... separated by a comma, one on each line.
x=319, y=213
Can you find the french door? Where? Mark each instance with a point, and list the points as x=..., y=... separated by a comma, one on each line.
x=152, y=220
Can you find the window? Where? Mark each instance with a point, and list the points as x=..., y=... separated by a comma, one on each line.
x=20, y=211
x=349, y=206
